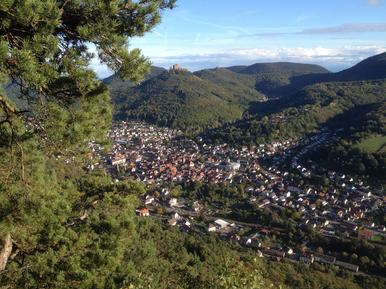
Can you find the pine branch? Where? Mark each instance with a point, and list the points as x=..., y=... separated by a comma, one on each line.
x=9, y=110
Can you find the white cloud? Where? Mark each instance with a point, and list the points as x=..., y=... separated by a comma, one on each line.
x=332, y=58
x=195, y=58
x=374, y=2
x=347, y=28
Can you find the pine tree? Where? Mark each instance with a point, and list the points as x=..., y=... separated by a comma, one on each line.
x=55, y=230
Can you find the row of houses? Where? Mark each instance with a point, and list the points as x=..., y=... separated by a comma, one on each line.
x=307, y=258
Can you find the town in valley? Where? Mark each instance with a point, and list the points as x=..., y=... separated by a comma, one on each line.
x=274, y=176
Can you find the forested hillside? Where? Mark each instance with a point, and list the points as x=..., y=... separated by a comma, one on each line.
x=371, y=68
x=302, y=113
x=184, y=100
x=361, y=145
x=274, y=79
x=281, y=79
x=288, y=68
x=353, y=110
x=119, y=88
x=241, y=86
x=211, y=98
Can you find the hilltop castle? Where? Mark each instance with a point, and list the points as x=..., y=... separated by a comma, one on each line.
x=177, y=68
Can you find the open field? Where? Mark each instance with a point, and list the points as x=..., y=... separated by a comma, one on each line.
x=373, y=144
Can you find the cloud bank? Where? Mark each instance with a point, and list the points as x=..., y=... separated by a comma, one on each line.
x=332, y=58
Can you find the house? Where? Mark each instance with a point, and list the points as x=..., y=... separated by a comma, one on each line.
x=289, y=251
x=350, y=225
x=263, y=203
x=221, y=224
x=144, y=212
x=308, y=259
x=172, y=222
x=264, y=232
x=324, y=259
x=212, y=228
x=118, y=160
x=235, y=166
x=149, y=199
x=294, y=189
x=365, y=234
x=187, y=223
x=165, y=192
x=173, y=202
x=197, y=206
x=273, y=253
x=347, y=266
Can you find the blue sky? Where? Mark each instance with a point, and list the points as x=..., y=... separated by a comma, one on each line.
x=208, y=33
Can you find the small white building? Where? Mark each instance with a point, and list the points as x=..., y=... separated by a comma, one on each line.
x=118, y=161
x=221, y=224
x=149, y=199
x=173, y=202
x=172, y=222
x=212, y=228
x=197, y=206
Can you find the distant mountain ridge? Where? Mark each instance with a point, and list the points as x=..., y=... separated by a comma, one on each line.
x=317, y=101
x=211, y=97
x=283, y=78
x=371, y=68
x=289, y=68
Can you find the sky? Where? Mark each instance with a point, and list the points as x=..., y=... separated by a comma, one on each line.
x=200, y=34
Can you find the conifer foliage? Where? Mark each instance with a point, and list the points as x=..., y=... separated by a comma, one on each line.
x=54, y=232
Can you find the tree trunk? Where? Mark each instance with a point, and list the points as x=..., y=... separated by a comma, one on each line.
x=5, y=251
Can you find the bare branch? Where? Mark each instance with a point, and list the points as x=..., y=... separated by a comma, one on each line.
x=6, y=251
